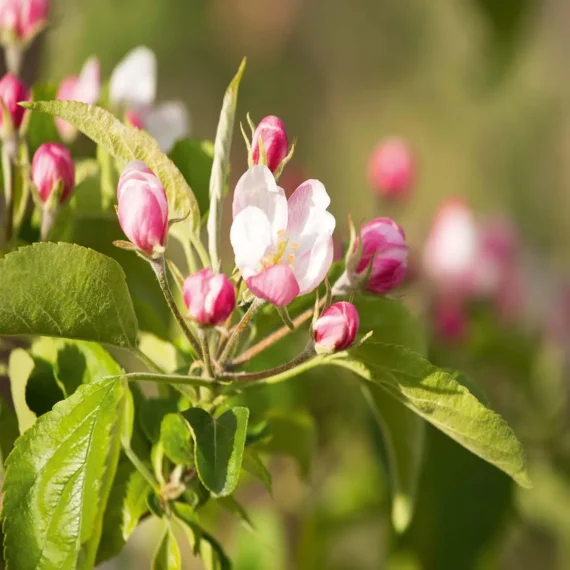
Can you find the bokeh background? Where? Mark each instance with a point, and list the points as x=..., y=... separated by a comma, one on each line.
x=481, y=91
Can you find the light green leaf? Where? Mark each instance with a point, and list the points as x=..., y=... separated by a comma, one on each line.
x=219, y=444
x=221, y=166
x=438, y=397
x=254, y=466
x=403, y=433
x=201, y=542
x=58, y=481
x=167, y=556
x=126, y=143
x=126, y=505
x=176, y=439
x=67, y=291
x=20, y=366
x=194, y=159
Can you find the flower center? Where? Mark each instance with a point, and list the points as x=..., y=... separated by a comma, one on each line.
x=285, y=250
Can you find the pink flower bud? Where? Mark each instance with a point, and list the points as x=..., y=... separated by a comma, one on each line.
x=391, y=168
x=210, y=297
x=143, y=207
x=336, y=328
x=12, y=91
x=52, y=165
x=134, y=119
x=384, y=254
x=450, y=319
x=275, y=142
x=22, y=18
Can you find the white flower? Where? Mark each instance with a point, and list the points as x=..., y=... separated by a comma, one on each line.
x=282, y=248
x=133, y=88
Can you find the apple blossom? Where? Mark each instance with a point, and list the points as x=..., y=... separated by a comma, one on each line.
x=391, y=168
x=52, y=167
x=271, y=130
x=85, y=88
x=12, y=92
x=21, y=19
x=336, y=328
x=142, y=207
x=384, y=255
x=283, y=248
x=210, y=297
x=132, y=89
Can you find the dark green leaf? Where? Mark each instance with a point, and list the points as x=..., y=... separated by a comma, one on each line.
x=126, y=505
x=194, y=159
x=58, y=481
x=154, y=411
x=176, y=439
x=42, y=389
x=8, y=431
x=254, y=466
x=126, y=143
x=167, y=556
x=65, y=291
x=218, y=447
x=439, y=398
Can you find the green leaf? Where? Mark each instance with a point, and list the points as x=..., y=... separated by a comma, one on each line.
x=438, y=397
x=68, y=291
x=167, y=556
x=153, y=412
x=194, y=159
x=126, y=143
x=8, y=431
x=58, y=481
x=254, y=466
x=403, y=433
x=176, y=439
x=126, y=505
x=219, y=444
x=292, y=434
x=42, y=389
x=202, y=543
x=20, y=366
x=221, y=166
x=231, y=505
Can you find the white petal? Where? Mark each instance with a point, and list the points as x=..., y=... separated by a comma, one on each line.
x=88, y=86
x=312, y=268
x=251, y=239
x=168, y=123
x=257, y=187
x=133, y=81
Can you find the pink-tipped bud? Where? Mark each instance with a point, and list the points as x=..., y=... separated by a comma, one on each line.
x=142, y=207
x=450, y=320
x=53, y=168
x=391, y=168
x=210, y=297
x=272, y=132
x=12, y=92
x=336, y=328
x=21, y=19
x=384, y=255
x=134, y=119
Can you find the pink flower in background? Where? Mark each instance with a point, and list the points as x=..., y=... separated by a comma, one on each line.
x=52, y=166
x=12, y=92
x=336, y=328
x=283, y=248
x=85, y=88
x=132, y=89
x=450, y=251
x=384, y=254
x=271, y=130
x=450, y=319
x=210, y=297
x=391, y=168
x=23, y=18
x=142, y=207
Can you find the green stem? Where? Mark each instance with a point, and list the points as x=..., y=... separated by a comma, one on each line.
x=159, y=269
x=169, y=379
x=7, y=169
x=24, y=164
x=200, y=250
x=13, y=55
x=239, y=329
x=206, y=354
x=141, y=468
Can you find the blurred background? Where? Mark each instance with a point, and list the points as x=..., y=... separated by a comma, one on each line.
x=480, y=90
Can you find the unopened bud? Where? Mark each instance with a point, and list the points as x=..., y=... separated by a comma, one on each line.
x=273, y=135
x=391, y=168
x=53, y=170
x=210, y=297
x=142, y=207
x=384, y=257
x=12, y=92
x=336, y=328
x=20, y=20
